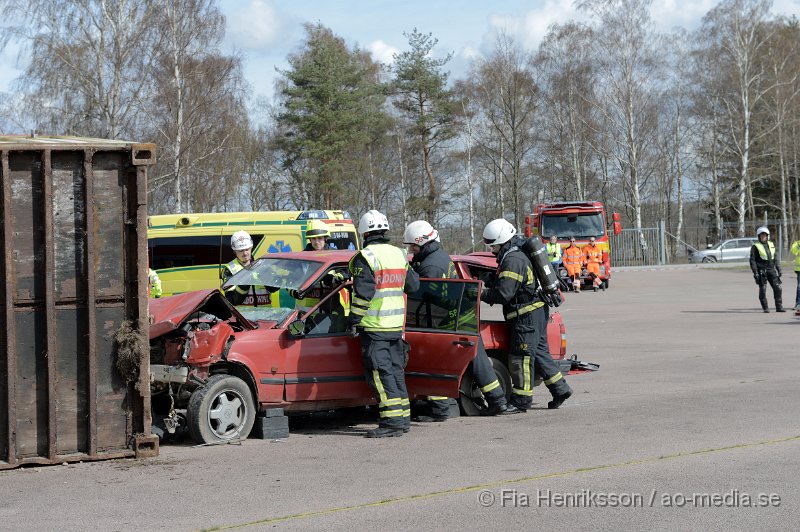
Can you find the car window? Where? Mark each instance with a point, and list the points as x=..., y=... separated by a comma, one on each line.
x=328, y=318
x=745, y=243
x=444, y=305
x=730, y=244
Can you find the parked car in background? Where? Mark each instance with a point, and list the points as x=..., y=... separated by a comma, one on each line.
x=727, y=250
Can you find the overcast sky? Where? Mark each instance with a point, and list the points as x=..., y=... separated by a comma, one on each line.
x=266, y=31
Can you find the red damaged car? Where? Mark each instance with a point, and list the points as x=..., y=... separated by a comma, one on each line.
x=214, y=366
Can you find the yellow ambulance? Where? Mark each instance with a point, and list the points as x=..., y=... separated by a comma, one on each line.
x=188, y=250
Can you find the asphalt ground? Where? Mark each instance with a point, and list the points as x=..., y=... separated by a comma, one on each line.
x=691, y=424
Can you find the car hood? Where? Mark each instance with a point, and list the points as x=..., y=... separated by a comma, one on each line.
x=168, y=313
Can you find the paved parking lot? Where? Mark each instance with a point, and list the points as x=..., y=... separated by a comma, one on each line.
x=691, y=423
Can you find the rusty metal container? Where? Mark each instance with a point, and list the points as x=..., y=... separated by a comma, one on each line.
x=74, y=263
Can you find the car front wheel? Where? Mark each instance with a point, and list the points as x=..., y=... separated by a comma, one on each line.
x=223, y=409
x=709, y=259
x=470, y=396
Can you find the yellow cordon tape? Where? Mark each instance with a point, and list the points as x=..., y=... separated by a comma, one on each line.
x=498, y=483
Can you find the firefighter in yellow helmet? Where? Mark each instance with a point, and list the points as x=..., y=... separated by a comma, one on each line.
x=316, y=234
x=381, y=274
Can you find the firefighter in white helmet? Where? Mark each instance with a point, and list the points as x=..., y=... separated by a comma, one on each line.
x=430, y=260
x=380, y=274
x=514, y=286
x=766, y=269
x=243, y=295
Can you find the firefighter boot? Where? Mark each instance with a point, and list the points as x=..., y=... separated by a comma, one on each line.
x=559, y=399
x=385, y=432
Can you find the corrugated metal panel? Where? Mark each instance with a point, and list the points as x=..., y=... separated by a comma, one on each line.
x=74, y=264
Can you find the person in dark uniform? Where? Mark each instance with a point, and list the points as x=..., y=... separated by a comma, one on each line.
x=430, y=260
x=381, y=274
x=515, y=288
x=766, y=269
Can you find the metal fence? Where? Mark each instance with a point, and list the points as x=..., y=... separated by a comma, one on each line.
x=655, y=245
x=634, y=247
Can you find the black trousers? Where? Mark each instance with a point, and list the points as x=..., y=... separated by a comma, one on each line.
x=383, y=357
x=484, y=375
x=771, y=277
x=529, y=355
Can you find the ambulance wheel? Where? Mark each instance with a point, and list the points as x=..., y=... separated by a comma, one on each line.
x=223, y=409
x=471, y=398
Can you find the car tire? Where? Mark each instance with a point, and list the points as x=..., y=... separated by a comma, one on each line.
x=471, y=398
x=221, y=410
x=709, y=259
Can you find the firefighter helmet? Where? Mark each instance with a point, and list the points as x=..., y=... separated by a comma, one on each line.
x=420, y=233
x=241, y=240
x=498, y=232
x=762, y=229
x=372, y=221
x=317, y=228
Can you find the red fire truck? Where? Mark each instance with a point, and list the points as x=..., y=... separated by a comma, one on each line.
x=581, y=219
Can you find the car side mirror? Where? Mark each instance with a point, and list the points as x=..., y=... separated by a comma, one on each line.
x=297, y=328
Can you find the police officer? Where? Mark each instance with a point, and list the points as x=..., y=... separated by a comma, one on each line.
x=243, y=295
x=514, y=287
x=380, y=275
x=431, y=261
x=766, y=269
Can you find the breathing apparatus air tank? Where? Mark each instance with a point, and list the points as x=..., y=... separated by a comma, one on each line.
x=543, y=270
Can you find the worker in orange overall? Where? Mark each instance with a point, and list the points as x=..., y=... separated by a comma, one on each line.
x=593, y=258
x=573, y=262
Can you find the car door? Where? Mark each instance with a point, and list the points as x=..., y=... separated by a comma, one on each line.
x=325, y=362
x=442, y=320
x=743, y=249
x=727, y=251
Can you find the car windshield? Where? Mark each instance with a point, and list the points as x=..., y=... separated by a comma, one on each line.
x=581, y=225
x=276, y=273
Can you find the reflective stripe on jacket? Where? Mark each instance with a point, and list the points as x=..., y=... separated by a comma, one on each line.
x=762, y=252
x=593, y=254
x=386, y=310
x=573, y=256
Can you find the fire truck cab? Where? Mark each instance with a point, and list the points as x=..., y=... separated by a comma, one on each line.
x=581, y=219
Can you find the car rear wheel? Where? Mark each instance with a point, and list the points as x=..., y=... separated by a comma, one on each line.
x=709, y=259
x=223, y=409
x=471, y=398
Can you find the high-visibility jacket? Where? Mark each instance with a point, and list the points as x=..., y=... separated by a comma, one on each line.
x=592, y=254
x=386, y=310
x=796, y=253
x=553, y=252
x=245, y=295
x=153, y=284
x=573, y=260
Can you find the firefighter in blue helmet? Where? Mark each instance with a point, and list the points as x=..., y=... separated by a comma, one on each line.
x=514, y=286
x=381, y=274
x=430, y=260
